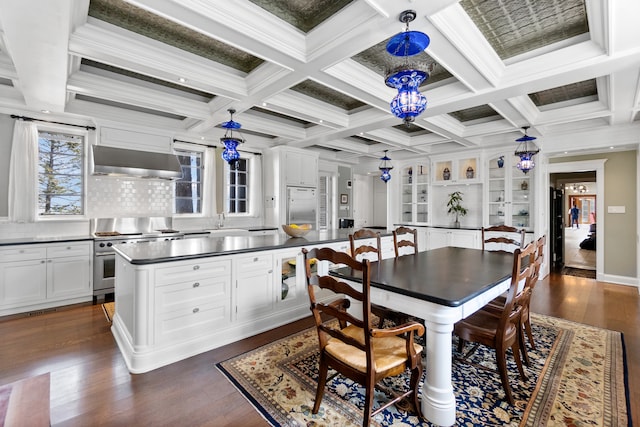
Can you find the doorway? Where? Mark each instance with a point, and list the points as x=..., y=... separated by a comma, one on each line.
x=574, y=243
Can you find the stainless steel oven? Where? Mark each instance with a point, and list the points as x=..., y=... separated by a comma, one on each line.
x=104, y=268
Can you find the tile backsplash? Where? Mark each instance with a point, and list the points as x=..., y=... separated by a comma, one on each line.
x=115, y=197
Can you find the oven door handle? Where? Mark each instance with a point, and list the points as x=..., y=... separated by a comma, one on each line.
x=103, y=254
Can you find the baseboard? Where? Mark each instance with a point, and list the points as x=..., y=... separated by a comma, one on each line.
x=618, y=280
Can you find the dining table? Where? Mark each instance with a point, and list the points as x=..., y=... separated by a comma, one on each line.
x=440, y=286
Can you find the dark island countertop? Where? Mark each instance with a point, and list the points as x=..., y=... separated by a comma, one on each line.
x=201, y=247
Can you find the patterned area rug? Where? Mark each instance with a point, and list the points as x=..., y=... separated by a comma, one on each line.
x=579, y=272
x=577, y=377
x=109, y=309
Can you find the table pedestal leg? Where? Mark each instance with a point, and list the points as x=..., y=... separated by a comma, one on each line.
x=438, y=400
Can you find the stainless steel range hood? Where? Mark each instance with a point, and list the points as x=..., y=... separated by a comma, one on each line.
x=144, y=164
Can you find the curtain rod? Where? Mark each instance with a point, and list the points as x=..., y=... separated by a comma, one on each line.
x=215, y=146
x=31, y=119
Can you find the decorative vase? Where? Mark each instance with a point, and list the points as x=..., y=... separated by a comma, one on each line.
x=469, y=172
x=456, y=224
x=285, y=290
x=501, y=161
x=524, y=185
x=446, y=174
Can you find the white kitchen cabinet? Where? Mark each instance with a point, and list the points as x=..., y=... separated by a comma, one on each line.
x=443, y=237
x=415, y=193
x=191, y=299
x=254, y=290
x=509, y=193
x=301, y=169
x=69, y=271
x=464, y=170
x=42, y=276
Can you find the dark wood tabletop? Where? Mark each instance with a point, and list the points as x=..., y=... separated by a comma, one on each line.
x=447, y=276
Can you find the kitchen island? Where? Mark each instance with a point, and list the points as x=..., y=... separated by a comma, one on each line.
x=175, y=299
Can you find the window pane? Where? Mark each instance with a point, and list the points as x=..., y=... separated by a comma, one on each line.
x=237, y=190
x=188, y=189
x=60, y=174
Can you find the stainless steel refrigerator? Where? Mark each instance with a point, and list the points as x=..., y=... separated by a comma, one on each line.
x=302, y=206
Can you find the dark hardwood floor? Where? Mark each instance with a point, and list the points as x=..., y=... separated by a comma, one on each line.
x=90, y=384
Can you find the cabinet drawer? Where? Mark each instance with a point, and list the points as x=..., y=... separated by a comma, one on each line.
x=189, y=295
x=250, y=264
x=189, y=323
x=22, y=253
x=198, y=270
x=62, y=250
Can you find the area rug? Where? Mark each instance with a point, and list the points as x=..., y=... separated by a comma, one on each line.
x=579, y=272
x=577, y=377
x=109, y=309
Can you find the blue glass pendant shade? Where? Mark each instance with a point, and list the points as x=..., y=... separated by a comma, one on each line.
x=385, y=176
x=230, y=153
x=408, y=43
x=408, y=102
x=385, y=167
x=526, y=152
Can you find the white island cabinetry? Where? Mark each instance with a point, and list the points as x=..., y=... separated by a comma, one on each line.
x=168, y=311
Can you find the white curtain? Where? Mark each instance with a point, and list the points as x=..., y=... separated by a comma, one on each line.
x=23, y=173
x=255, y=185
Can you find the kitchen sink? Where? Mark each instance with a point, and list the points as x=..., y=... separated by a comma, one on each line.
x=227, y=231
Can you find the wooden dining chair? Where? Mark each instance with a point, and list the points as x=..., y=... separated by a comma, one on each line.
x=497, y=304
x=404, y=237
x=501, y=331
x=362, y=247
x=361, y=250
x=364, y=354
x=502, y=238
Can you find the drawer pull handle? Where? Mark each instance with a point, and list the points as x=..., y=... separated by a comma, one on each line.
x=195, y=285
x=196, y=267
x=42, y=261
x=195, y=310
x=21, y=251
x=255, y=259
x=68, y=248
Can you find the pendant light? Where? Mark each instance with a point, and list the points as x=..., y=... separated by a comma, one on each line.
x=230, y=153
x=385, y=167
x=526, y=150
x=406, y=79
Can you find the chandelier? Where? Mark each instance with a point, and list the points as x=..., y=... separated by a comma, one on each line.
x=406, y=79
x=526, y=150
x=230, y=153
x=385, y=167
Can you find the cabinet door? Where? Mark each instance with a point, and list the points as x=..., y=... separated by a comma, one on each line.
x=23, y=282
x=254, y=286
x=437, y=238
x=301, y=169
x=69, y=277
x=464, y=239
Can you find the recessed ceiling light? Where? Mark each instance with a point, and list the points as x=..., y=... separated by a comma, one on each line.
x=202, y=137
x=264, y=104
x=566, y=152
x=47, y=112
x=321, y=121
x=182, y=80
x=610, y=148
x=361, y=133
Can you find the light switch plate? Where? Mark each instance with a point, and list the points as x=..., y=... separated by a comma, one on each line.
x=616, y=209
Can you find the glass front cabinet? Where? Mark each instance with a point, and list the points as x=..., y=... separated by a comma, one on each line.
x=415, y=193
x=510, y=192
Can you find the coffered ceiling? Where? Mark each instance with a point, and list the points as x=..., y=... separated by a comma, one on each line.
x=310, y=73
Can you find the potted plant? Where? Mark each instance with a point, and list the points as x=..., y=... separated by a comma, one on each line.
x=455, y=207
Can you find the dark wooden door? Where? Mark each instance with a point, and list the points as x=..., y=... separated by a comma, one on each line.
x=556, y=246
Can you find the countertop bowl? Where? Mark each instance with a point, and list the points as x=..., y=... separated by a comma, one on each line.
x=300, y=231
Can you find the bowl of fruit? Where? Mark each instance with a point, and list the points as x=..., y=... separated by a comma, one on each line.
x=296, y=230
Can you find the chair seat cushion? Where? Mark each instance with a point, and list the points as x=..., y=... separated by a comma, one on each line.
x=390, y=353
x=481, y=325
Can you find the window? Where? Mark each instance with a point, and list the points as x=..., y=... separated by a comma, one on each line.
x=237, y=187
x=60, y=174
x=188, y=190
